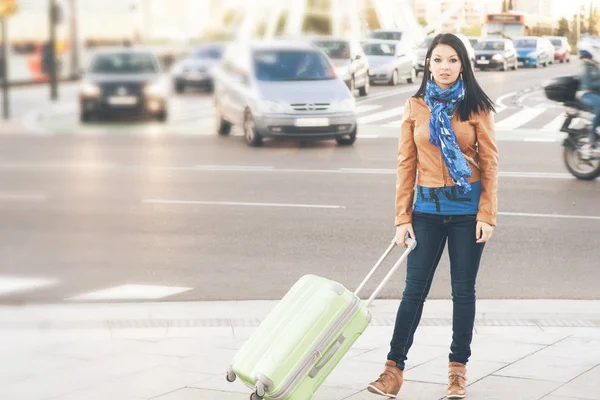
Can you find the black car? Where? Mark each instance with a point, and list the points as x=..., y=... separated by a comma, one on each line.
x=196, y=70
x=124, y=82
x=496, y=53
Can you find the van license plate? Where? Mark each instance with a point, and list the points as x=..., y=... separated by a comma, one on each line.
x=311, y=122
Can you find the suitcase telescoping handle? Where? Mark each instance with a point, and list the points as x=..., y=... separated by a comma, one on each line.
x=411, y=243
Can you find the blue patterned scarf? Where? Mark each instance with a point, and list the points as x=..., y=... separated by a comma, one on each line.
x=442, y=103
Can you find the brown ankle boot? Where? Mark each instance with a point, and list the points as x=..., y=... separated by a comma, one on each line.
x=389, y=382
x=457, y=381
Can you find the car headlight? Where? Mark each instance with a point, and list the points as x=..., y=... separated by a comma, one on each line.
x=342, y=71
x=348, y=105
x=497, y=57
x=269, y=107
x=156, y=89
x=90, y=89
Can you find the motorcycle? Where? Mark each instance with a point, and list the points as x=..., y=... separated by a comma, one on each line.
x=582, y=161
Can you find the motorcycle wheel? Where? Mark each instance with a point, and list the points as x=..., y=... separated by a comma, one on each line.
x=586, y=170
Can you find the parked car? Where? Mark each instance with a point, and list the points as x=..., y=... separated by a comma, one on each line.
x=468, y=46
x=533, y=51
x=349, y=61
x=282, y=90
x=562, y=48
x=421, y=53
x=406, y=39
x=496, y=53
x=124, y=82
x=388, y=62
x=473, y=40
x=195, y=70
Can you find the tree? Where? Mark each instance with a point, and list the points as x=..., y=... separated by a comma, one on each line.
x=563, y=28
x=504, y=6
x=422, y=21
x=593, y=20
x=510, y=5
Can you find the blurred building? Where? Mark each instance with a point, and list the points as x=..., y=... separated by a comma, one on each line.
x=544, y=8
x=452, y=15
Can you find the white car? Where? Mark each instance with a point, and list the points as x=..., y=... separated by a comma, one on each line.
x=389, y=63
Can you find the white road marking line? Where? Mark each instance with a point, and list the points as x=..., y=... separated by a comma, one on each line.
x=392, y=112
x=543, y=140
x=536, y=175
x=512, y=214
x=364, y=108
x=235, y=203
x=131, y=292
x=411, y=88
x=267, y=168
x=23, y=197
x=555, y=124
x=14, y=284
x=500, y=102
x=519, y=118
x=232, y=168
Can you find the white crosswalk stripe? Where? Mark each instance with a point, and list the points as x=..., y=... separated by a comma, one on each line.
x=381, y=115
x=518, y=119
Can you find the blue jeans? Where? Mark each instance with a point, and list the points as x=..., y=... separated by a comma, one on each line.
x=592, y=100
x=432, y=232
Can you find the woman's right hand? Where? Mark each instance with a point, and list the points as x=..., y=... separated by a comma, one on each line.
x=401, y=231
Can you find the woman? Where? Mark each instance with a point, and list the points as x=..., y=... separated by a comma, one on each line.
x=447, y=135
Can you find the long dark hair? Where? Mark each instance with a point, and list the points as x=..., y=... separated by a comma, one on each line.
x=475, y=101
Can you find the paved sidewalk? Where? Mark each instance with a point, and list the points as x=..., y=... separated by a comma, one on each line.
x=180, y=351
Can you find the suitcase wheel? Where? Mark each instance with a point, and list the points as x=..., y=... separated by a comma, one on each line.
x=259, y=393
x=230, y=376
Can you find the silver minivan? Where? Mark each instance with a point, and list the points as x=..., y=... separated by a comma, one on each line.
x=286, y=90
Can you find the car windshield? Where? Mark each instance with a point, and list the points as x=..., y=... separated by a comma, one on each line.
x=124, y=63
x=379, y=49
x=473, y=42
x=556, y=42
x=334, y=49
x=283, y=65
x=425, y=43
x=214, y=53
x=387, y=35
x=490, y=45
x=525, y=43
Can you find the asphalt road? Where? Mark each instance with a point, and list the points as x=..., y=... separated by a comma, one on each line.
x=210, y=215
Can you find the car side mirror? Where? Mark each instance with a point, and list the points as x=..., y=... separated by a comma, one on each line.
x=358, y=57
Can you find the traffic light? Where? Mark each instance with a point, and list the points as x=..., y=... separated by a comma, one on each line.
x=7, y=8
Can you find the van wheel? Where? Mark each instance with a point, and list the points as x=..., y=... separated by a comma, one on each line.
x=363, y=91
x=223, y=127
x=250, y=135
x=394, y=80
x=413, y=76
x=347, y=140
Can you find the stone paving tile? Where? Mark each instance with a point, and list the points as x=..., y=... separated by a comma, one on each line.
x=545, y=367
x=585, y=386
x=501, y=388
x=200, y=394
x=145, y=384
x=410, y=391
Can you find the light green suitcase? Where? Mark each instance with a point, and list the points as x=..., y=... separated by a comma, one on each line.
x=305, y=336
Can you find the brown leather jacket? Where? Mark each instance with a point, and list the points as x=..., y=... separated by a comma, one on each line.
x=477, y=140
